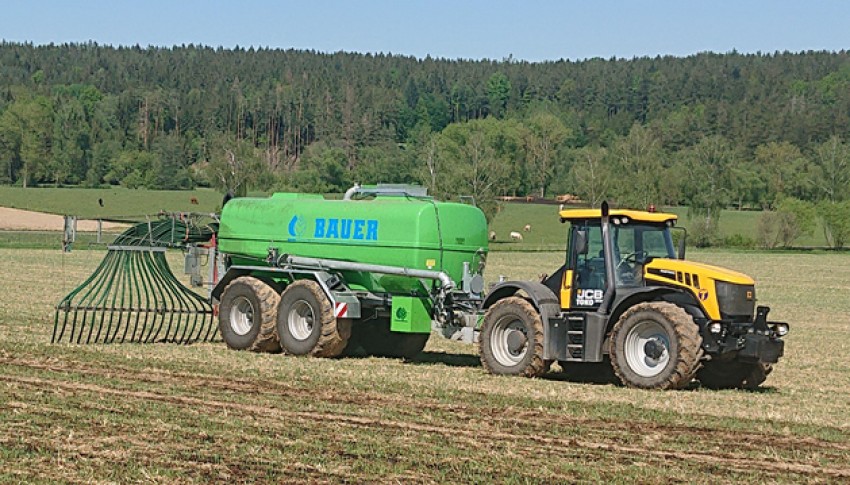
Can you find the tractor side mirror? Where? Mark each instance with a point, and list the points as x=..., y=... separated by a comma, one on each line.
x=581, y=242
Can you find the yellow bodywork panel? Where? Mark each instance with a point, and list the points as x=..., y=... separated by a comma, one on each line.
x=567, y=289
x=637, y=216
x=698, y=278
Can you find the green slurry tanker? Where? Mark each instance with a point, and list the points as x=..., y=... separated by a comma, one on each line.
x=315, y=277
x=384, y=267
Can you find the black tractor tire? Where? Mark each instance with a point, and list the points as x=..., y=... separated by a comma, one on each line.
x=655, y=345
x=733, y=375
x=590, y=372
x=306, y=322
x=377, y=339
x=246, y=315
x=511, y=340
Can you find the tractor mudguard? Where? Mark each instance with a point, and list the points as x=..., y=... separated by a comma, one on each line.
x=629, y=297
x=538, y=292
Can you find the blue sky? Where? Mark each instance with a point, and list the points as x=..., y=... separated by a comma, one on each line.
x=474, y=29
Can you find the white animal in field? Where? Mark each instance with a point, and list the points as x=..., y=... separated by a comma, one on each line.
x=516, y=236
x=527, y=228
x=492, y=235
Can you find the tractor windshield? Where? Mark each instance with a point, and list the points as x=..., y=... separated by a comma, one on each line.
x=643, y=240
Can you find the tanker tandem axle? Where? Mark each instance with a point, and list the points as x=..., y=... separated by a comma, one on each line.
x=383, y=267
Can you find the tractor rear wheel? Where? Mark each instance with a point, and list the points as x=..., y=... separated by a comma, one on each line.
x=306, y=322
x=246, y=315
x=377, y=339
x=511, y=340
x=733, y=375
x=655, y=345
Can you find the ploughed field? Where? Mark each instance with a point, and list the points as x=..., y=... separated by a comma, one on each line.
x=201, y=413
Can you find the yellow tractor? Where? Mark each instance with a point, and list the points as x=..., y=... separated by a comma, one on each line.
x=626, y=301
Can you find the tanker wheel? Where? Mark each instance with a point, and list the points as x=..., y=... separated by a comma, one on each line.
x=655, y=345
x=733, y=375
x=306, y=322
x=246, y=315
x=511, y=340
x=377, y=339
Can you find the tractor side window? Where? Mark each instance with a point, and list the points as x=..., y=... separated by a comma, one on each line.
x=590, y=270
x=657, y=243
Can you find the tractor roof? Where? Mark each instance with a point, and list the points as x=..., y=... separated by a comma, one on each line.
x=637, y=216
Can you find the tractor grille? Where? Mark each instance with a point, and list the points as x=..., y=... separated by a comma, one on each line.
x=735, y=300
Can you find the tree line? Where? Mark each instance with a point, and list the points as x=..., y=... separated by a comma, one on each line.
x=708, y=131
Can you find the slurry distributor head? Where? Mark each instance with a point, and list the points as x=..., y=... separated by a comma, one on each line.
x=133, y=296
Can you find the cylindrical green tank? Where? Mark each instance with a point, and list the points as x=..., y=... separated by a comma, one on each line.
x=418, y=233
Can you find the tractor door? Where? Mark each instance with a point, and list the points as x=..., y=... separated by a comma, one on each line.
x=586, y=278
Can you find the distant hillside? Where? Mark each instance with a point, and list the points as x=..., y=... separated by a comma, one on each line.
x=707, y=131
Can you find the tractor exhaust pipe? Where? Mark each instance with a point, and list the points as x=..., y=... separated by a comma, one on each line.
x=608, y=246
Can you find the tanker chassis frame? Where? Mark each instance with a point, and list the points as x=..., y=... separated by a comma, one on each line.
x=453, y=310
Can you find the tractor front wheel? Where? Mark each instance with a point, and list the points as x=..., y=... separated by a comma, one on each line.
x=246, y=317
x=655, y=345
x=306, y=322
x=511, y=340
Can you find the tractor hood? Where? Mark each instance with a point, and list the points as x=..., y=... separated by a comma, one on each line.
x=670, y=268
x=706, y=283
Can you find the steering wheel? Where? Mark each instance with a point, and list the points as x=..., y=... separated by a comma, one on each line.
x=632, y=258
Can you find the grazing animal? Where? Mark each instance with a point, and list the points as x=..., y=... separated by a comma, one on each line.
x=516, y=236
x=194, y=200
x=492, y=235
x=100, y=201
x=527, y=228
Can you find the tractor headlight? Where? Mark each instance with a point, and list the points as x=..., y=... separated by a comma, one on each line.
x=781, y=329
x=715, y=327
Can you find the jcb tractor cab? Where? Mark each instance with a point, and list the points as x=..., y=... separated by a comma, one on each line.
x=624, y=295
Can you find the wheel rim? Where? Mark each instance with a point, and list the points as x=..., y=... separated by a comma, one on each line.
x=647, y=349
x=300, y=320
x=241, y=316
x=509, y=341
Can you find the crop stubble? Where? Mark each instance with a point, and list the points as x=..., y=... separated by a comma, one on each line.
x=201, y=413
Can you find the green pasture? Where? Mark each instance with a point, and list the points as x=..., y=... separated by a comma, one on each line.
x=547, y=232
x=118, y=202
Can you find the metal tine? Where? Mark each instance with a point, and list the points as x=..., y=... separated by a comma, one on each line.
x=103, y=294
x=173, y=292
x=86, y=302
x=163, y=299
x=65, y=304
x=148, y=286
